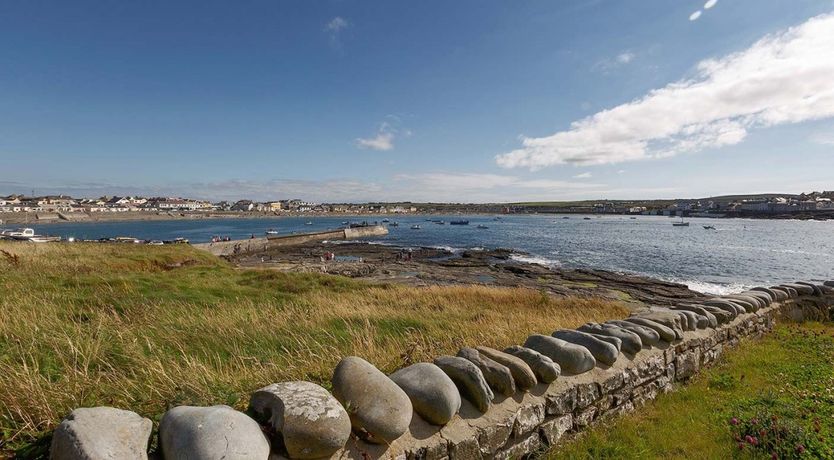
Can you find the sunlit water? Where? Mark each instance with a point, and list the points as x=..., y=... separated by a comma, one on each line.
x=738, y=254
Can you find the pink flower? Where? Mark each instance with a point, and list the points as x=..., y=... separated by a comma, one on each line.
x=741, y=445
x=755, y=441
x=733, y=421
x=749, y=439
x=800, y=448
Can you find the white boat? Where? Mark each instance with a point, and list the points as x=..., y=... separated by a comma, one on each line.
x=21, y=233
x=680, y=224
x=482, y=226
x=415, y=227
x=44, y=239
x=308, y=223
x=271, y=231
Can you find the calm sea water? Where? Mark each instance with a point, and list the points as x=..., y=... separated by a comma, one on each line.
x=738, y=254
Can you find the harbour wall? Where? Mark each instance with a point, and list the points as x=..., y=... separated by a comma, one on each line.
x=234, y=247
x=529, y=421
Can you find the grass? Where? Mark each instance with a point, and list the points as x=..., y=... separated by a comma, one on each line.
x=782, y=385
x=146, y=328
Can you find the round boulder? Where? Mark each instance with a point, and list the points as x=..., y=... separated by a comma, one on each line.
x=101, y=433
x=312, y=423
x=648, y=336
x=433, y=394
x=545, y=369
x=498, y=377
x=379, y=410
x=522, y=374
x=469, y=380
x=211, y=433
x=603, y=351
x=571, y=358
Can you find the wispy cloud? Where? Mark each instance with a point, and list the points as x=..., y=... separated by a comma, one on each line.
x=608, y=64
x=781, y=79
x=585, y=175
x=334, y=29
x=383, y=140
x=694, y=16
x=709, y=4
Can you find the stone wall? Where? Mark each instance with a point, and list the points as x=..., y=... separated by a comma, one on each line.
x=307, y=422
x=258, y=244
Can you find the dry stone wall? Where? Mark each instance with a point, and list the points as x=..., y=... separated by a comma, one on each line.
x=483, y=403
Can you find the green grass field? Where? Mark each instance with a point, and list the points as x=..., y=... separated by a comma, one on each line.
x=780, y=386
x=146, y=328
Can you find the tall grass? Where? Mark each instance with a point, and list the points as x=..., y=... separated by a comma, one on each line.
x=146, y=328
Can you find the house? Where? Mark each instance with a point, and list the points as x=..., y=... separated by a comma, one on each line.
x=243, y=205
x=274, y=206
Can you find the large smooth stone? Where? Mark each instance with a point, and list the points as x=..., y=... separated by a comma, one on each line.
x=648, y=336
x=629, y=341
x=101, y=433
x=688, y=321
x=499, y=378
x=755, y=302
x=792, y=293
x=603, y=351
x=670, y=320
x=522, y=374
x=211, y=433
x=829, y=283
x=312, y=423
x=770, y=292
x=721, y=315
x=780, y=294
x=379, y=410
x=705, y=318
x=433, y=394
x=545, y=369
x=762, y=296
x=571, y=358
x=817, y=289
x=726, y=305
x=801, y=289
x=667, y=334
x=469, y=380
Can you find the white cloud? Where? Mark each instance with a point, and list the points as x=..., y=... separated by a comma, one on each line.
x=585, y=175
x=625, y=58
x=694, y=16
x=384, y=138
x=608, y=64
x=334, y=28
x=709, y=4
x=781, y=79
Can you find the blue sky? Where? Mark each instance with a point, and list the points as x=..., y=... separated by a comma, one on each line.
x=350, y=100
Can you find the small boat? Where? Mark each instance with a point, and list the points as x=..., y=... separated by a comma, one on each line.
x=586, y=218
x=709, y=227
x=566, y=217
x=20, y=234
x=44, y=239
x=155, y=243
x=415, y=227
x=345, y=223
x=385, y=220
x=680, y=224
x=482, y=226
x=394, y=224
x=271, y=231
x=440, y=222
x=459, y=222
x=632, y=218
x=180, y=240
x=308, y=223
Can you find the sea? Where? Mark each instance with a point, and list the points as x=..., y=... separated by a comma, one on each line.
x=735, y=255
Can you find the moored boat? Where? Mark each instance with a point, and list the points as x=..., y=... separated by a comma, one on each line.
x=459, y=222
x=415, y=227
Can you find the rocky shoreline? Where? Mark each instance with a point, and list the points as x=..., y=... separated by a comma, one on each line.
x=436, y=266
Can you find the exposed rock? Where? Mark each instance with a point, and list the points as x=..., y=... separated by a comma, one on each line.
x=433, y=394
x=544, y=368
x=726, y=305
x=571, y=358
x=211, y=433
x=829, y=283
x=630, y=342
x=469, y=380
x=792, y=293
x=311, y=422
x=498, y=376
x=670, y=320
x=754, y=302
x=666, y=334
x=618, y=344
x=379, y=410
x=780, y=294
x=721, y=315
x=521, y=371
x=603, y=351
x=648, y=336
x=101, y=433
x=762, y=296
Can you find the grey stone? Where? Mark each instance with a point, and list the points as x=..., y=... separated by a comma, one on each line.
x=211, y=433
x=705, y=319
x=544, y=368
x=523, y=375
x=571, y=358
x=649, y=337
x=379, y=410
x=829, y=283
x=603, y=351
x=792, y=293
x=629, y=342
x=755, y=302
x=499, y=378
x=762, y=296
x=669, y=320
x=433, y=394
x=721, y=316
x=312, y=423
x=666, y=334
x=817, y=289
x=781, y=295
x=95, y=433
x=469, y=380
x=726, y=305
x=770, y=292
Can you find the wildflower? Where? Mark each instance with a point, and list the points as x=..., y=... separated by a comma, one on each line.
x=773, y=456
x=748, y=439
x=733, y=421
x=800, y=448
x=755, y=441
x=740, y=445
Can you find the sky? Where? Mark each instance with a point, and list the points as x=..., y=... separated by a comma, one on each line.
x=464, y=101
